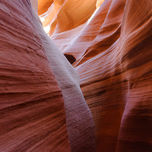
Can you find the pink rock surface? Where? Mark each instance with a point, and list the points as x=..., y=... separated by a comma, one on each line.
x=113, y=52
x=42, y=108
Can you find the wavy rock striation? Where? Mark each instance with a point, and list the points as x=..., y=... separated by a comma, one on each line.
x=42, y=108
x=112, y=52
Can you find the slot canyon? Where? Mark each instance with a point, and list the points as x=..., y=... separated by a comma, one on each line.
x=75, y=75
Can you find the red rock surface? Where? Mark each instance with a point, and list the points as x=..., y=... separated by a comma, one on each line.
x=42, y=108
x=113, y=52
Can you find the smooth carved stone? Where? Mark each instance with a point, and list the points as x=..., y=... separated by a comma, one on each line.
x=42, y=108
x=43, y=6
x=113, y=53
x=64, y=15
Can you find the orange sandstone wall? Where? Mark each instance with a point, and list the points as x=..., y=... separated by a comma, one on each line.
x=115, y=70
x=65, y=15
x=113, y=56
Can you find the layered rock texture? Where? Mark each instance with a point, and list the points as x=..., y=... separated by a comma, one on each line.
x=111, y=49
x=42, y=108
x=108, y=43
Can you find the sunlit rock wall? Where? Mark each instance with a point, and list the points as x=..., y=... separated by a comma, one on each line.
x=113, y=56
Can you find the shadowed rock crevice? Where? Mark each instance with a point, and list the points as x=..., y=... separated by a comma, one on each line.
x=70, y=58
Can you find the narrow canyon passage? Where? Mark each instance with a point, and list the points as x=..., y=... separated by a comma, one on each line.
x=75, y=76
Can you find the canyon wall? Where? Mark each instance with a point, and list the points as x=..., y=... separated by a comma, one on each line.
x=109, y=44
x=42, y=108
x=112, y=53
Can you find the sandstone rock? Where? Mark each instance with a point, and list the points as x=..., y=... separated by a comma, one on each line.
x=113, y=52
x=42, y=108
x=65, y=15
